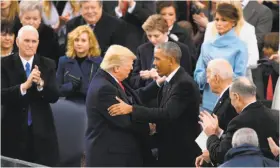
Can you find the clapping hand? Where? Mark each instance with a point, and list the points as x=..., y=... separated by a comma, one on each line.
x=209, y=124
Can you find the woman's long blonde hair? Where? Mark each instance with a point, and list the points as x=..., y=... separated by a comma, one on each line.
x=240, y=22
x=94, y=49
x=14, y=11
x=47, y=8
x=75, y=6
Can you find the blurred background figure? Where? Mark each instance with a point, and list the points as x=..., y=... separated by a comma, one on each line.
x=7, y=38
x=9, y=10
x=245, y=151
x=244, y=30
x=168, y=10
x=71, y=10
x=77, y=68
x=50, y=15
x=227, y=45
x=260, y=17
x=92, y=14
x=273, y=5
x=31, y=14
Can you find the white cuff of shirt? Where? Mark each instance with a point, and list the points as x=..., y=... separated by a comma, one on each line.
x=131, y=9
x=221, y=133
x=39, y=89
x=117, y=11
x=21, y=91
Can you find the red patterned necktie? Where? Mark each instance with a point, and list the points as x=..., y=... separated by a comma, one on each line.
x=121, y=85
x=269, y=89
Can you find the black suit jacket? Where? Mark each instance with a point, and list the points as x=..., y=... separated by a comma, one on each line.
x=256, y=116
x=177, y=121
x=261, y=18
x=15, y=108
x=108, y=30
x=112, y=141
x=144, y=61
x=224, y=110
x=185, y=38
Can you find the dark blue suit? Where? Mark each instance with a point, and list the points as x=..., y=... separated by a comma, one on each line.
x=69, y=68
x=114, y=141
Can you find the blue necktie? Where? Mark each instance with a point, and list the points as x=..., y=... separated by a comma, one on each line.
x=27, y=72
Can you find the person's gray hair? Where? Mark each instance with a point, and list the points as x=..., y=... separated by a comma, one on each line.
x=171, y=49
x=221, y=67
x=244, y=87
x=100, y=2
x=26, y=28
x=245, y=136
x=27, y=5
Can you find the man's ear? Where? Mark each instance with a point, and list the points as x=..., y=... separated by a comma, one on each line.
x=17, y=42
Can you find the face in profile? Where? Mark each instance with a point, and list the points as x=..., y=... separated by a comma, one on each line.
x=169, y=15
x=32, y=18
x=124, y=71
x=28, y=43
x=223, y=25
x=91, y=11
x=5, y=4
x=7, y=40
x=162, y=63
x=81, y=44
x=234, y=99
x=211, y=80
x=156, y=37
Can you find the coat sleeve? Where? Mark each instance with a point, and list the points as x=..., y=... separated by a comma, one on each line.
x=64, y=88
x=174, y=107
x=200, y=71
x=241, y=60
x=218, y=147
x=50, y=91
x=8, y=93
x=135, y=80
x=106, y=98
x=263, y=25
x=253, y=51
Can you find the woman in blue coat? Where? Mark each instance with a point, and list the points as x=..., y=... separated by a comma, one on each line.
x=76, y=69
x=226, y=45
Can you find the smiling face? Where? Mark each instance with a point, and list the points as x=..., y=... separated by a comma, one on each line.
x=91, y=11
x=162, y=63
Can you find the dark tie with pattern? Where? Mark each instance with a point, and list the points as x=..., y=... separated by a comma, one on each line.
x=27, y=72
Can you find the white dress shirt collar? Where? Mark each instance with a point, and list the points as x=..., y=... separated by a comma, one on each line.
x=224, y=91
x=244, y=3
x=113, y=77
x=23, y=61
x=170, y=76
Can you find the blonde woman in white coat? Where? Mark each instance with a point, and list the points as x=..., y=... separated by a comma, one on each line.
x=246, y=33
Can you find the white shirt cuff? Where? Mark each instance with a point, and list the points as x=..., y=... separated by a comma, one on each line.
x=39, y=89
x=221, y=133
x=131, y=9
x=117, y=11
x=21, y=91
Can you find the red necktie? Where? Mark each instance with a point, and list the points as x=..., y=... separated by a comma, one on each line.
x=269, y=89
x=121, y=85
x=124, y=10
